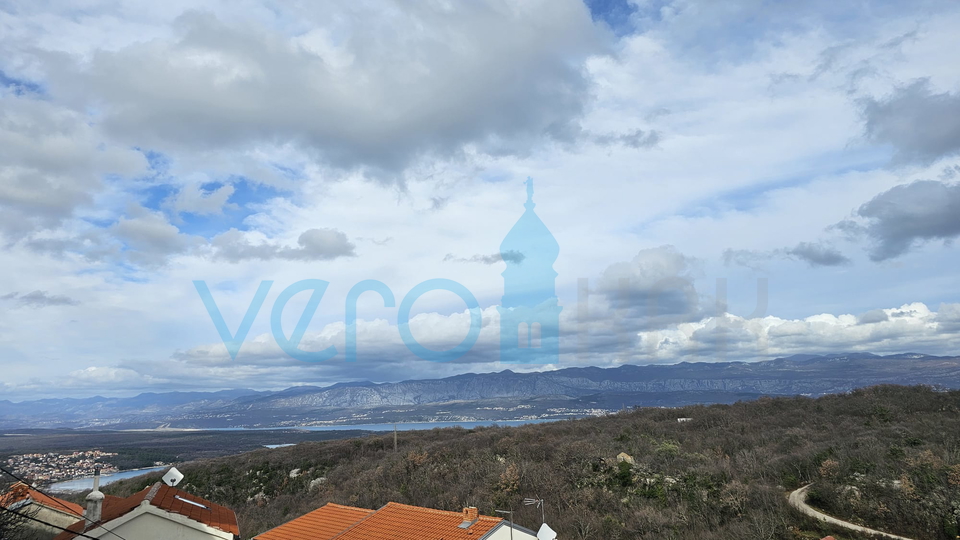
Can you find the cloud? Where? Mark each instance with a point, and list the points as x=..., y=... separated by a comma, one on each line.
x=748, y=258
x=194, y=200
x=493, y=258
x=948, y=317
x=813, y=253
x=363, y=88
x=816, y=254
x=51, y=163
x=438, y=203
x=39, y=299
x=873, y=316
x=314, y=245
x=654, y=288
x=636, y=139
x=920, y=125
x=911, y=327
x=383, y=357
x=906, y=215
x=148, y=238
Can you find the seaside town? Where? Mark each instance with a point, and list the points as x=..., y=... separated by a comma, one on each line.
x=54, y=467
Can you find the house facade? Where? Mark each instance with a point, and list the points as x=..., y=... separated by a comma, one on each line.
x=57, y=512
x=158, y=512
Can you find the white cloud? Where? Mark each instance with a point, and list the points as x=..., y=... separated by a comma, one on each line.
x=313, y=245
x=191, y=199
x=909, y=328
x=51, y=163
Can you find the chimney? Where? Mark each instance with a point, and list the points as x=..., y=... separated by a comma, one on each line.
x=94, y=499
x=470, y=515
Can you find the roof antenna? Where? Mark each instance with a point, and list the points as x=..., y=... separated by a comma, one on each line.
x=173, y=477
x=539, y=502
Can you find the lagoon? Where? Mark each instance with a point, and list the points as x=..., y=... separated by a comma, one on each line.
x=400, y=426
x=81, y=484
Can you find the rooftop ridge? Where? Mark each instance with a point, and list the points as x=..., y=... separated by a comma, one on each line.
x=153, y=492
x=422, y=509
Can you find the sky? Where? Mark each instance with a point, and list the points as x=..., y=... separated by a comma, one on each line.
x=727, y=181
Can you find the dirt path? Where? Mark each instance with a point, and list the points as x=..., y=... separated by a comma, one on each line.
x=798, y=499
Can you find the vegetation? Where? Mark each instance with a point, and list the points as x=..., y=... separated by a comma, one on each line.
x=887, y=457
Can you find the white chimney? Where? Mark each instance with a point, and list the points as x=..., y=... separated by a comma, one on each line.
x=94, y=499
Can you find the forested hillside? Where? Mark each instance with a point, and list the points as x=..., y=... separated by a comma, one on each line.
x=887, y=457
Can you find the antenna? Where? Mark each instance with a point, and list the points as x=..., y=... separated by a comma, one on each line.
x=511, y=519
x=539, y=502
x=173, y=477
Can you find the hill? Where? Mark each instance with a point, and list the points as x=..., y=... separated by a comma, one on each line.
x=563, y=393
x=885, y=456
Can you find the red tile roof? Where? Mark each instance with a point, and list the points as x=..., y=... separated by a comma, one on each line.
x=394, y=521
x=324, y=523
x=21, y=492
x=166, y=498
x=180, y=502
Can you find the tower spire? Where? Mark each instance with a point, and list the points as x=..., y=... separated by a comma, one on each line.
x=529, y=204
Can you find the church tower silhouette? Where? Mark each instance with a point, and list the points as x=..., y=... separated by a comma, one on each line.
x=529, y=313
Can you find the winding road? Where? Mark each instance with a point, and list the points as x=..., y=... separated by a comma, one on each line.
x=798, y=500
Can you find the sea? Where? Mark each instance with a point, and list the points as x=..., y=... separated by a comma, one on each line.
x=81, y=484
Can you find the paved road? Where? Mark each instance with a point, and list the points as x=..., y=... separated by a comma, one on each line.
x=798, y=499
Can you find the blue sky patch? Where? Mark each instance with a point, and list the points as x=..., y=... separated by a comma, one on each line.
x=154, y=196
x=20, y=86
x=616, y=13
x=245, y=202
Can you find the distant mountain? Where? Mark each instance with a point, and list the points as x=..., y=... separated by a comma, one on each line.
x=491, y=396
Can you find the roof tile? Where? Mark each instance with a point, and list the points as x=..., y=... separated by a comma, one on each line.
x=21, y=491
x=166, y=498
x=324, y=523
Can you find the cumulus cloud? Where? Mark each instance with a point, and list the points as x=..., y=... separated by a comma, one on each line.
x=382, y=356
x=873, y=316
x=654, y=288
x=51, y=163
x=911, y=327
x=39, y=299
x=358, y=90
x=148, y=238
x=922, y=126
x=904, y=216
x=313, y=245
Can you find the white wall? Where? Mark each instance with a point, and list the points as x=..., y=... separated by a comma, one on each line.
x=151, y=523
x=503, y=533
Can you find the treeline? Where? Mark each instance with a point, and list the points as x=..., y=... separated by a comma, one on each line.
x=887, y=457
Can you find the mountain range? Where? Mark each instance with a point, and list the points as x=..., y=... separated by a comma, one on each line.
x=501, y=396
